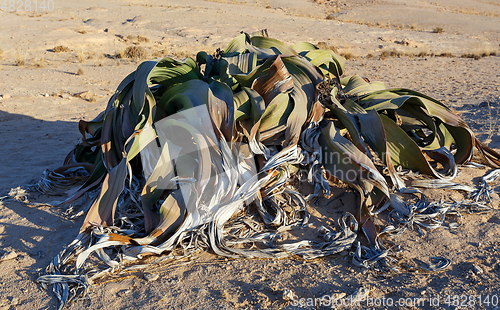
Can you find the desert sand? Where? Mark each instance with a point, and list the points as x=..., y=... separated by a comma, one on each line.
x=445, y=49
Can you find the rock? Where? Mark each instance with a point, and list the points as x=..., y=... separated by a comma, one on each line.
x=150, y=277
x=86, y=95
x=7, y=256
x=123, y=293
x=91, y=21
x=66, y=96
x=477, y=269
x=96, y=8
x=288, y=294
x=359, y=295
x=5, y=96
x=138, y=20
x=483, y=104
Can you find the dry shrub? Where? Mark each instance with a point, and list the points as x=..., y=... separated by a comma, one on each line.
x=132, y=52
x=394, y=52
x=180, y=52
x=482, y=50
x=326, y=46
x=347, y=55
x=87, y=95
x=322, y=45
x=142, y=39
x=445, y=54
x=61, y=49
x=438, y=30
x=423, y=53
x=80, y=56
x=136, y=39
x=40, y=62
x=79, y=71
x=20, y=59
x=160, y=53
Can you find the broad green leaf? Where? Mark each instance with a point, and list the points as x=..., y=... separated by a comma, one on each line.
x=372, y=130
x=102, y=210
x=241, y=64
x=304, y=47
x=169, y=72
x=327, y=61
x=344, y=161
x=357, y=86
x=277, y=80
x=268, y=43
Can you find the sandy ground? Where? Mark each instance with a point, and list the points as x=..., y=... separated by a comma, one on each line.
x=39, y=115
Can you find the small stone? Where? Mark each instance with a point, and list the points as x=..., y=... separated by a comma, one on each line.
x=5, y=96
x=477, y=269
x=360, y=294
x=14, y=301
x=150, y=277
x=46, y=95
x=7, y=256
x=288, y=294
x=123, y=293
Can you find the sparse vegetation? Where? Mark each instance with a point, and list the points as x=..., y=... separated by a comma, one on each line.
x=160, y=53
x=100, y=60
x=61, y=49
x=79, y=71
x=347, y=55
x=20, y=59
x=82, y=31
x=132, y=52
x=423, y=53
x=392, y=52
x=136, y=39
x=445, y=54
x=438, y=30
x=471, y=11
x=326, y=46
x=80, y=56
x=181, y=52
x=480, y=51
x=40, y=62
